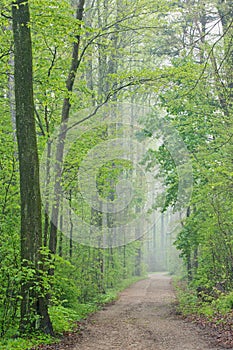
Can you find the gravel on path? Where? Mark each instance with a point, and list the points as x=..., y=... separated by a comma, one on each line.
x=143, y=318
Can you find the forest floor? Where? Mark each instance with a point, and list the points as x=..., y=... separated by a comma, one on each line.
x=142, y=318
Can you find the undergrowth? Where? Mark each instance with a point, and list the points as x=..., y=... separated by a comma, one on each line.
x=65, y=319
x=214, y=313
x=204, y=304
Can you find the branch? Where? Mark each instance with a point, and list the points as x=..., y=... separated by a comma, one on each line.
x=207, y=59
x=4, y=54
x=8, y=187
x=6, y=16
x=54, y=55
x=39, y=122
x=105, y=31
x=107, y=98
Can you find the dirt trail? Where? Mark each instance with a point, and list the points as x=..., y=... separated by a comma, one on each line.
x=142, y=319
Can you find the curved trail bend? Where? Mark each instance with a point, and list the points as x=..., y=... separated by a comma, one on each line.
x=142, y=319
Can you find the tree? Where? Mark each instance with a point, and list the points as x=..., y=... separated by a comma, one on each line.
x=198, y=103
x=33, y=303
x=64, y=119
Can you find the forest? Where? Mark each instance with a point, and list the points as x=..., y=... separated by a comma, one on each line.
x=115, y=157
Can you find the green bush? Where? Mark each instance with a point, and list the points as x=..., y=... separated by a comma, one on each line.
x=64, y=319
x=65, y=286
x=25, y=343
x=224, y=303
x=187, y=301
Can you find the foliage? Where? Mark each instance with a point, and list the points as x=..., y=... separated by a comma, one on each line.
x=24, y=344
x=64, y=319
x=162, y=54
x=209, y=302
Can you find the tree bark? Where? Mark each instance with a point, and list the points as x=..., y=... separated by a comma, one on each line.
x=32, y=303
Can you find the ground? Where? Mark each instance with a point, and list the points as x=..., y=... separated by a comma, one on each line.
x=143, y=318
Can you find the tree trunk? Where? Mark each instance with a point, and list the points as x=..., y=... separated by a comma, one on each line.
x=32, y=304
x=62, y=136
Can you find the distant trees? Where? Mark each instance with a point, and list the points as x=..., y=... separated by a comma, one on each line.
x=47, y=91
x=198, y=103
x=175, y=56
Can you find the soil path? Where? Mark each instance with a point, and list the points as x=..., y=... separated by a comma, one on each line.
x=142, y=319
